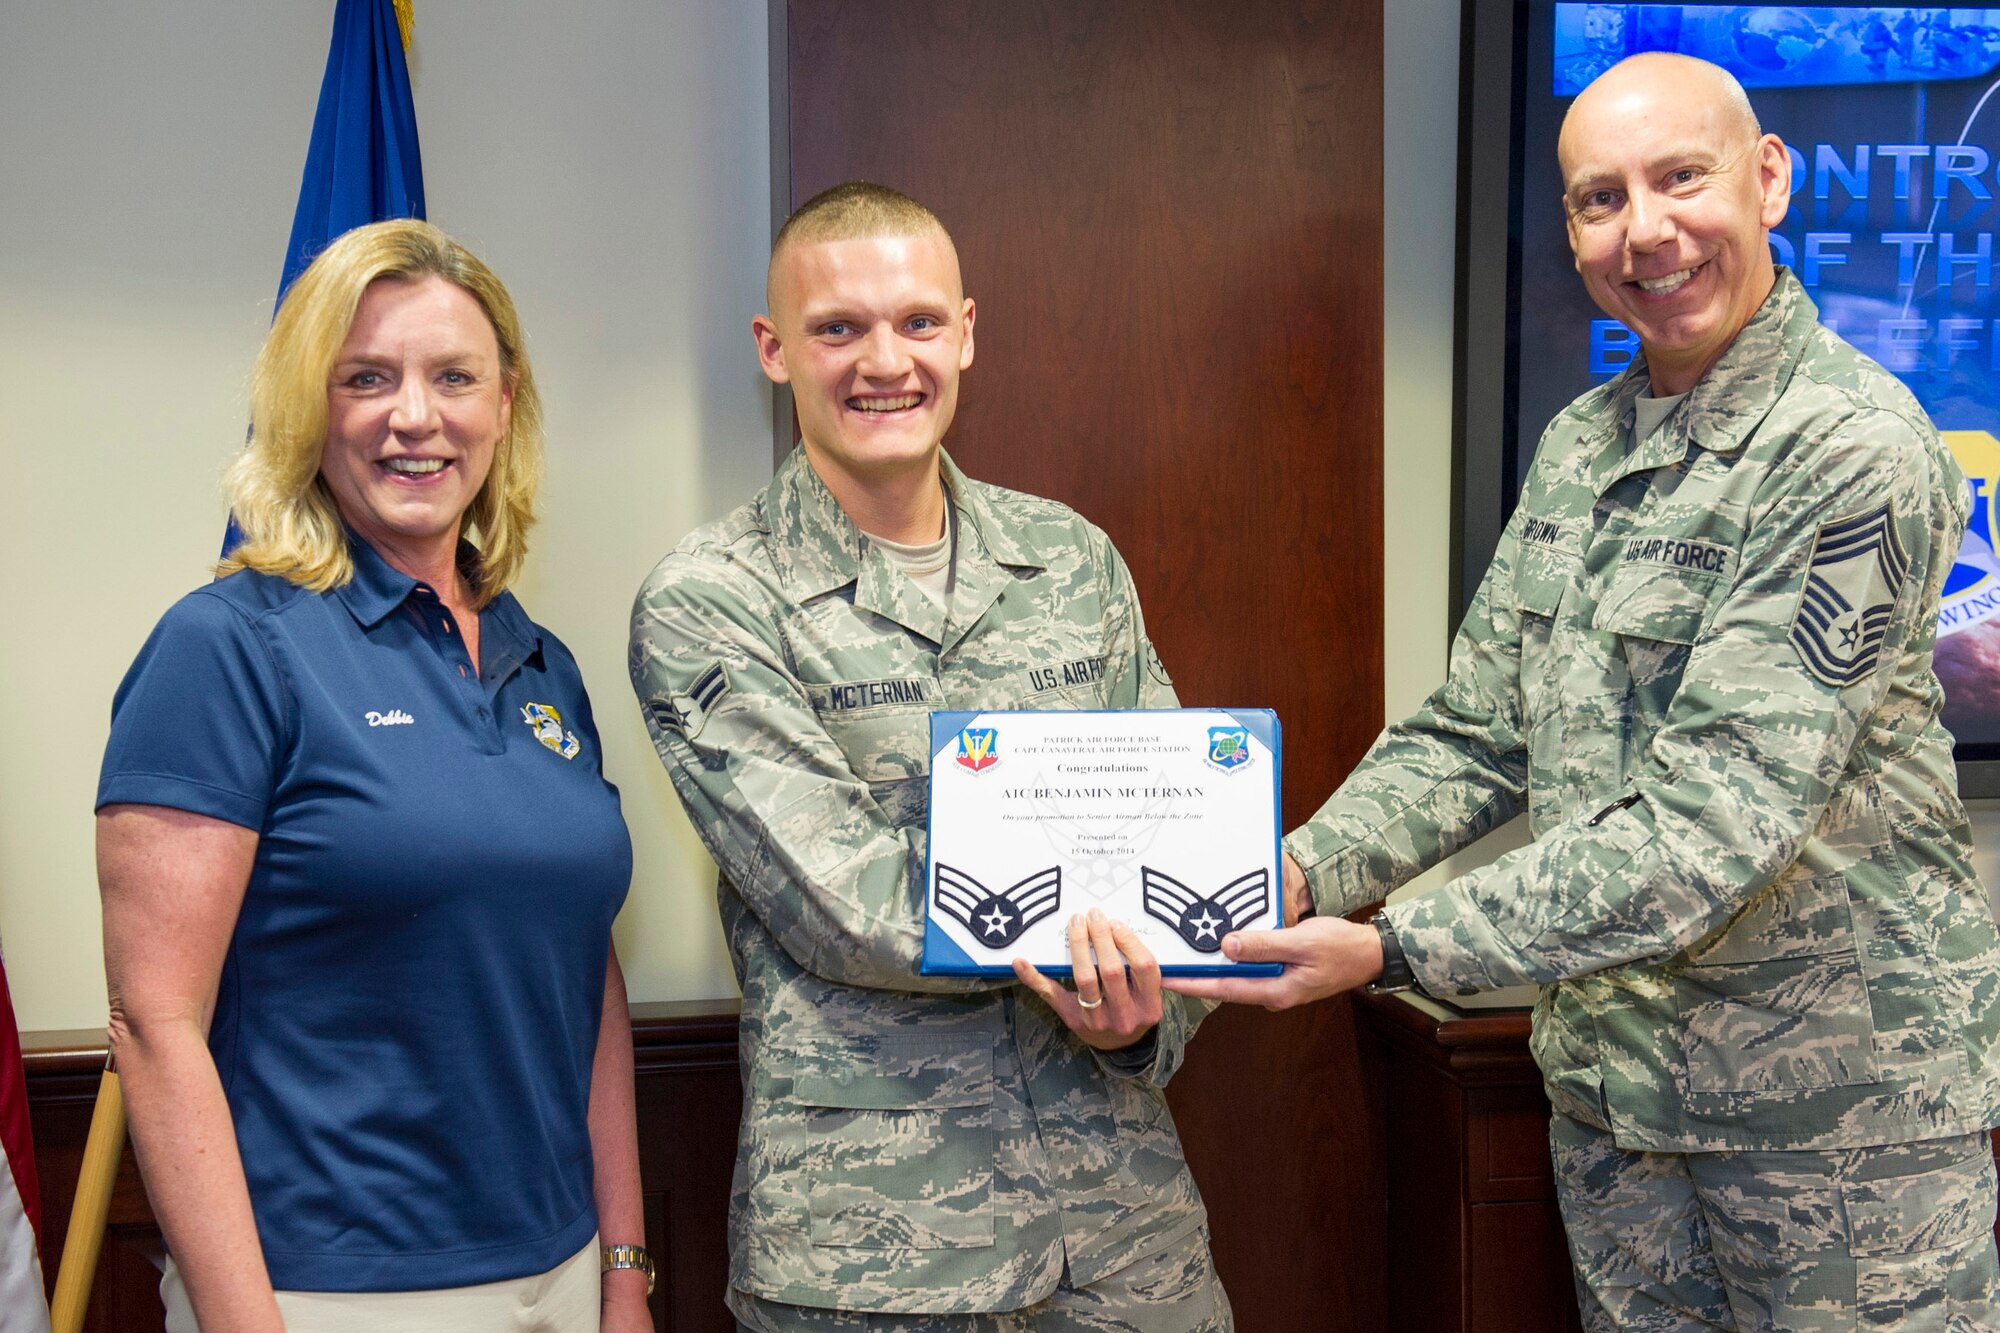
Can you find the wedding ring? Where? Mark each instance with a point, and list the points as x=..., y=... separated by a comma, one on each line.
x=1097, y=1003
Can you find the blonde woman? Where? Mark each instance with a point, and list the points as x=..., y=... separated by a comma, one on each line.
x=359, y=860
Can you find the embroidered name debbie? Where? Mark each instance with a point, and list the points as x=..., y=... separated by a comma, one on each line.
x=872, y=693
x=1679, y=554
x=395, y=717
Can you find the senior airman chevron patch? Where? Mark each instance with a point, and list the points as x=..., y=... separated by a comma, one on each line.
x=1202, y=922
x=998, y=918
x=1857, y=570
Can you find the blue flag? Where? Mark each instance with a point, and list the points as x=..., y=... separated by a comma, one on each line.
x=362, y=165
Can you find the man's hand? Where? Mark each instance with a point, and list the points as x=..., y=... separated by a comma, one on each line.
x=1323, y=956
x=1298, y=894
x=1117, y=996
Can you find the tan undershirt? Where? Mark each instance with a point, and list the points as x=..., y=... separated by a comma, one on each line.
x=1648, y=413
x=928, y=565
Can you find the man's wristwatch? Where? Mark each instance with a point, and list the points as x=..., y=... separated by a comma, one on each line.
x=1396, y=974
x=627, y=1256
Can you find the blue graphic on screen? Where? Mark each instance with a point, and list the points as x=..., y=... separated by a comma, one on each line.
x=1892, y=121
x=1774, y=46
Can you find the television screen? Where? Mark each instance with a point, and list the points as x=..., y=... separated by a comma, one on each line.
x=1891, y=117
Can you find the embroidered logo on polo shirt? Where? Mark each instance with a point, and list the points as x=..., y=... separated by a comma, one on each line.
x=547, y=725
x=395, y=717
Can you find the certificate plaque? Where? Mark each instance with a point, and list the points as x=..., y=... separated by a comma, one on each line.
x=1167, y=819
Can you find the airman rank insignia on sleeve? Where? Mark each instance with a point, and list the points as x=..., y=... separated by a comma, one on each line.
x=997, y=919
x=1857, y=570
x=1202, y=922
x=688, y=713
x=1156, y=666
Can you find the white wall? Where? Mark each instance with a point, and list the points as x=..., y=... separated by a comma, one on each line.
x=610, y=161
x=1420, y=136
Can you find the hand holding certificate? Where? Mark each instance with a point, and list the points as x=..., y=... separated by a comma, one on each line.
x=1166, y=820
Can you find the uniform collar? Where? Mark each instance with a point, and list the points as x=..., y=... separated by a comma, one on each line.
x=816, y=548
x=1726, y=404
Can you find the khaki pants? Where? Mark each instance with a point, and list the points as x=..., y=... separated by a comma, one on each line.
x=562, y=1300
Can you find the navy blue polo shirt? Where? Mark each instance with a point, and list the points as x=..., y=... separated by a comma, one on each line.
x=410, y=1003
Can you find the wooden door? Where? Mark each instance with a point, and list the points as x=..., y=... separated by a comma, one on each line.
x=1169, y=212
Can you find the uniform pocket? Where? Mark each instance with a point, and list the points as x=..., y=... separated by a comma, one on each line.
x=882, y=744
x=899, y=1142
x=1650, y=604
x=889, y=749
x=1776, y=999
x=1657, y=615
x=1542, y=577
x=1923, y=1243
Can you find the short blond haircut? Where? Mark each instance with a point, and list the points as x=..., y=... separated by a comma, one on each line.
x=854, y=211
x=291, y=525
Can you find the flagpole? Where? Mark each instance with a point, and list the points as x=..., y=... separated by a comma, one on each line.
x=92, y=1209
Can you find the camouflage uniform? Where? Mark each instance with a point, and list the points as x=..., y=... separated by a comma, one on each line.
x=1895, y=1236
x=1749, y=901
x=909, y=1143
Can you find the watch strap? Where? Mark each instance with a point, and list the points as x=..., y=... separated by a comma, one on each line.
x=1396, y=974
x=627, y=1256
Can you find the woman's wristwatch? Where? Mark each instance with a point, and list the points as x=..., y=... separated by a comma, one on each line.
x=627, y=1256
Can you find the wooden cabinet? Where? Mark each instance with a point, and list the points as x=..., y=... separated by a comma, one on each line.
x=1475, y=1244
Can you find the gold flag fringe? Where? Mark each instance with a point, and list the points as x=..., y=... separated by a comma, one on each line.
x=406, y=20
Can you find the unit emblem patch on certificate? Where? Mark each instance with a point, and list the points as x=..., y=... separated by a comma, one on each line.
x=977, y=749
x=1857, y=569
x=998, y=919
x=1228, y=747
x=1202, y=922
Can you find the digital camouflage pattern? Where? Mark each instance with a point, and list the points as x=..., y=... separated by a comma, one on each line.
x=1749, y=900
x=1168, y=1291
x=1898, y=1236
x=909, y=1143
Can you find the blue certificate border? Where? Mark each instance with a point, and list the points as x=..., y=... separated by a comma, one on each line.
x=943, y=958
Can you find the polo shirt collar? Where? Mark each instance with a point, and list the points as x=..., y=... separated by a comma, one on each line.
x=377, y=588
x=507, y=637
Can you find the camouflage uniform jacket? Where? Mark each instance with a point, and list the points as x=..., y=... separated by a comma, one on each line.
x=1705, y=667
x=908, y=1143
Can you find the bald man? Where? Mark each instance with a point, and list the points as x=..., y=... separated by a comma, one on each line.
x=1701, y=663
x=917, y=1153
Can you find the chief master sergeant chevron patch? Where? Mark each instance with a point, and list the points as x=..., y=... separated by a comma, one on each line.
x=1857, y=570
